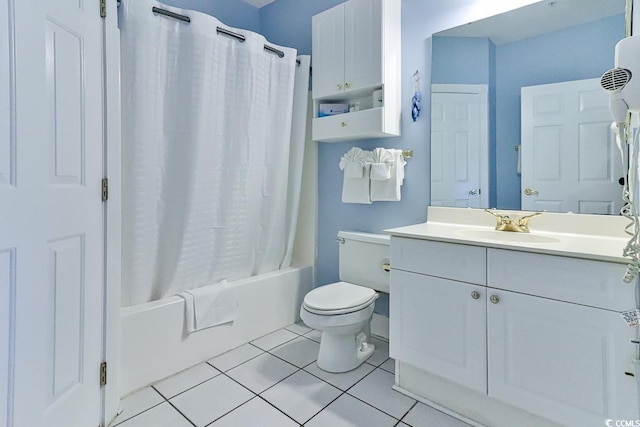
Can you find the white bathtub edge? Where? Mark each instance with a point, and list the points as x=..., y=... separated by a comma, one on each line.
x=154, y=347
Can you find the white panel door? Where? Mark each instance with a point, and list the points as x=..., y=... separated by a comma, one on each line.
x=328, y=52
x=363, y=43
x=438, y=325
x=51, y=221
x=456, y=153
x=566, y=362
x=570, y=161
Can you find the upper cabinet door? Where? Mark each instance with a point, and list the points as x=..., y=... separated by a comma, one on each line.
x=363, y=43
x=328, y=52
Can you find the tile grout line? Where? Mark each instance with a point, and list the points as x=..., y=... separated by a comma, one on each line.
x=240, y=364
x=236, y=407
x=180, y=412
x=282, y=343
x=367, y=403
x=141, y=412
x=326, y=406
x=280, y=410
x=407, y=413
x=188, y=388
x=254, y=396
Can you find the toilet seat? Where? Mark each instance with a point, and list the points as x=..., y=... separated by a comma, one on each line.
x=338, y=298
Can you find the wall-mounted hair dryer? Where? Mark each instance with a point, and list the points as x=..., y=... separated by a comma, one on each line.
x=623, y=85
x=623, y=82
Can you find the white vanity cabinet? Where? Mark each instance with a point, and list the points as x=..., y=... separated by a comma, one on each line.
x=542, y=334
x=441, y=307
x=443, y=328
x=356, y=50
x=557, y=343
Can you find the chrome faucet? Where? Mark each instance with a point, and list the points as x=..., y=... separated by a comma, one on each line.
x=506, y=223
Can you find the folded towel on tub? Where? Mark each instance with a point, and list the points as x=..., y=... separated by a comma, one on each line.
x=209, y=306
x=355, y=186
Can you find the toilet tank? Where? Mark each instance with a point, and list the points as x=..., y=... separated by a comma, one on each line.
x=362, y=256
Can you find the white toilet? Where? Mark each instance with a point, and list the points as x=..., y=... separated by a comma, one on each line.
x=343, y=310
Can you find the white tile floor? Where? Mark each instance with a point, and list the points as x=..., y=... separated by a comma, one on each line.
x=274, y=381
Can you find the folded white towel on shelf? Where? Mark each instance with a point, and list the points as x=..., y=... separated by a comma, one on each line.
x=389, y=190
x=355, y=186
x=209, y=306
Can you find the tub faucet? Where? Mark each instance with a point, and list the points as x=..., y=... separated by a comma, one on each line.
x=506, y=223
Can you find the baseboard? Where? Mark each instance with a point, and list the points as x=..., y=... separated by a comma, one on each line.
x=380, y=326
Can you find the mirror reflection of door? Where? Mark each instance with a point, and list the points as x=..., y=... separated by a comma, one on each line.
x=538, y=44
x=570, y=161
x=459, y=146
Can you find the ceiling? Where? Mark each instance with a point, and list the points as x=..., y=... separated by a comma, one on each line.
x=537, y=18
x=259, y=3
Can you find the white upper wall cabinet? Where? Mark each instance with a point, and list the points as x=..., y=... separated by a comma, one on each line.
x=328, y=52
x=356, y=52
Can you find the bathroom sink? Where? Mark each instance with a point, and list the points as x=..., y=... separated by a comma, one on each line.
x=507, y=236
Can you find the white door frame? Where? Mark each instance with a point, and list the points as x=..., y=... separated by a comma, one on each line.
x=483, y=139
x=111, y=350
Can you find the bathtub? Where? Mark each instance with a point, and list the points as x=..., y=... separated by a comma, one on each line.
x=153, y=343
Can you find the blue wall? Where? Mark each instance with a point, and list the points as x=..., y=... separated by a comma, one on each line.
x=461, y=60
x=234, y=13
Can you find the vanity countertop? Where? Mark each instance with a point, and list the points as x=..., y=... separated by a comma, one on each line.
x=596, y=237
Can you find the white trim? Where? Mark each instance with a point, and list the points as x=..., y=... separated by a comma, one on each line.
x=112, y=211
x=473, y=407
x=483, y=92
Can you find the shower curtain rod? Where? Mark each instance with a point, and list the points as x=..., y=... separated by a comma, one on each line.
x=219, y=30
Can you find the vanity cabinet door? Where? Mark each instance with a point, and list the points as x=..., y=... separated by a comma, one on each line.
x=438, y=325
x=563, y=361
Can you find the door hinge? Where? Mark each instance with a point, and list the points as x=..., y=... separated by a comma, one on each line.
x=103, y=8
x=105, y=189
x=103, y=374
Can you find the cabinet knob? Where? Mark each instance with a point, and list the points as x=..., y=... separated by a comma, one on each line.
x=475, y=294
x=347, y=85
x=343, y=124
x=339, y=86
x=494, y=299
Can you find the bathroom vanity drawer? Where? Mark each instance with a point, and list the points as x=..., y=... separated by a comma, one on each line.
x=592, y=283
x=447, y=260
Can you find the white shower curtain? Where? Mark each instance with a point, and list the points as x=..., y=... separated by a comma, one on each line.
x=206, y=142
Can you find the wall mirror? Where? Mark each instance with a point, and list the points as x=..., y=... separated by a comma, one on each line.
x=518, y=119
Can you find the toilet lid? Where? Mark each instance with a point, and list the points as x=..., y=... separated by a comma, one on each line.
x=338, y=296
